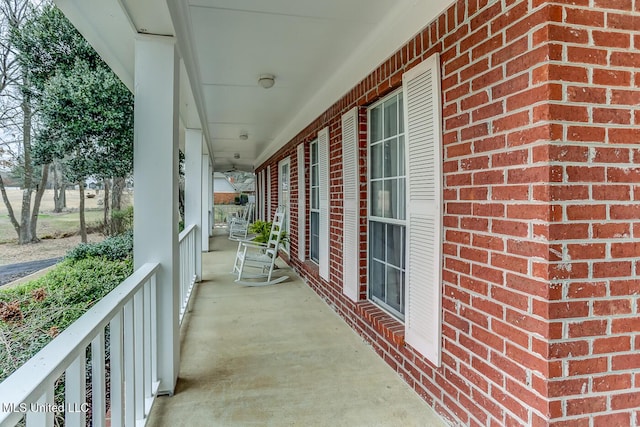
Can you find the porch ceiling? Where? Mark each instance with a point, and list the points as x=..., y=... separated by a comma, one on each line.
x=316, y=51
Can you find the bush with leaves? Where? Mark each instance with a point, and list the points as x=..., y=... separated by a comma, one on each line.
x=32, y=314
x=114, y=248
x=262, y=229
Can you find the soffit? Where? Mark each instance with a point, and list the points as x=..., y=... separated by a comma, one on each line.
x=317, y=50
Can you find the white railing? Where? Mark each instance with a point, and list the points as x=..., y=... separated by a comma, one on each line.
x=187, y=243
x=127, y=315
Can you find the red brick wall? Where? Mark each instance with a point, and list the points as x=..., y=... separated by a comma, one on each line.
x=541, y=217
x=225, y=198
x=594, y=227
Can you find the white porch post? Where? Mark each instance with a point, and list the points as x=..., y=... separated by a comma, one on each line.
x=206, y=225
x=212, y=204
x=193, y=190
x=156, y=189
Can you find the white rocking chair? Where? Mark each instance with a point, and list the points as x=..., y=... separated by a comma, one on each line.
x=261, y=256
x=239, y=225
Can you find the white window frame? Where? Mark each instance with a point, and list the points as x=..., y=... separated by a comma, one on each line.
x=381, y=219
x=312, y=209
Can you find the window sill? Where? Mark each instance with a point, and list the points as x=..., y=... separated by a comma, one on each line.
x=311, y=265
x=383, y=323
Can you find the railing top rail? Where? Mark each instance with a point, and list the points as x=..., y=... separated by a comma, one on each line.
x=186, y=232
x=27, y=382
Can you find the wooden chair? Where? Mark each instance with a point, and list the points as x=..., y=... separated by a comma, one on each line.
x=260, y=256
x=239, y=225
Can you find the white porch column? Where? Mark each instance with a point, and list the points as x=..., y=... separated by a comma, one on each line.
x=193, y=189
x=206, y=226
x=156, y=189
x=212, y=214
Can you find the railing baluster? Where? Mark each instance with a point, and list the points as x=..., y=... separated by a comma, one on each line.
x=129, y=366
x=187, y=272
x=75, y=391
x=154, y=331
x=192, y=260
x=138, y=316
x=98, y=385
x=116, y=369
x=146, y=294
x=40, y=417
x=182, y=274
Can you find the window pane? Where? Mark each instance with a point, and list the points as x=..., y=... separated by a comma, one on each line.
x=401, y=160
x=391, y=158
x=377, y=280
x=390, y=198
x=403, y=259
x=376, y=161
x=400, y=114
x=402, y=196
x=391, y=118
x=314, y=153
x=315, y=240
x=375, y=121
x=315, y=199
x=395, y=244
x=377, y=198
x=376, y=240
x=394, y=288
x=314, y=175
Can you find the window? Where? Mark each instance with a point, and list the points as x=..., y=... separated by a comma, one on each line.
x=284, y=194
x=387, y=204
x=314, y=192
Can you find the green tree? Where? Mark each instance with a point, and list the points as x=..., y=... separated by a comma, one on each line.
x=86, y=113
x=91, y=112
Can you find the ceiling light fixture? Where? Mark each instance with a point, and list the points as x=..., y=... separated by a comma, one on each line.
x=244, y=135
x=266, y=80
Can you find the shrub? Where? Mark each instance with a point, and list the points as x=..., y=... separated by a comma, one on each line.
x=262, y=229
x=122, y=220
x=32, y=314
x=113, y=248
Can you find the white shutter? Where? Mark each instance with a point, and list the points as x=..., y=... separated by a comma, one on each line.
x=422, y=104
x=258, y=176
x=302, y=207
x=323, y=177
x=351, y=206
x=262, y=194
x=268, y=213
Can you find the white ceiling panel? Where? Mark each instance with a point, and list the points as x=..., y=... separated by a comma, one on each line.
x=236, y=47
x=370, y=11
x=315, y=49
x=227, y=104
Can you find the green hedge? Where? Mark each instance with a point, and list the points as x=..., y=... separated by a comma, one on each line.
x=114, y=248
x=32, y=314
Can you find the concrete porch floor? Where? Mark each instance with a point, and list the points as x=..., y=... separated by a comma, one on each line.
x=278, y=356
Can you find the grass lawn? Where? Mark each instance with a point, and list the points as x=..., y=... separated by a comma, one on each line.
x=50, y=225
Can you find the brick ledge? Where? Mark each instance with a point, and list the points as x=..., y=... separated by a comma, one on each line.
x=385, y=324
